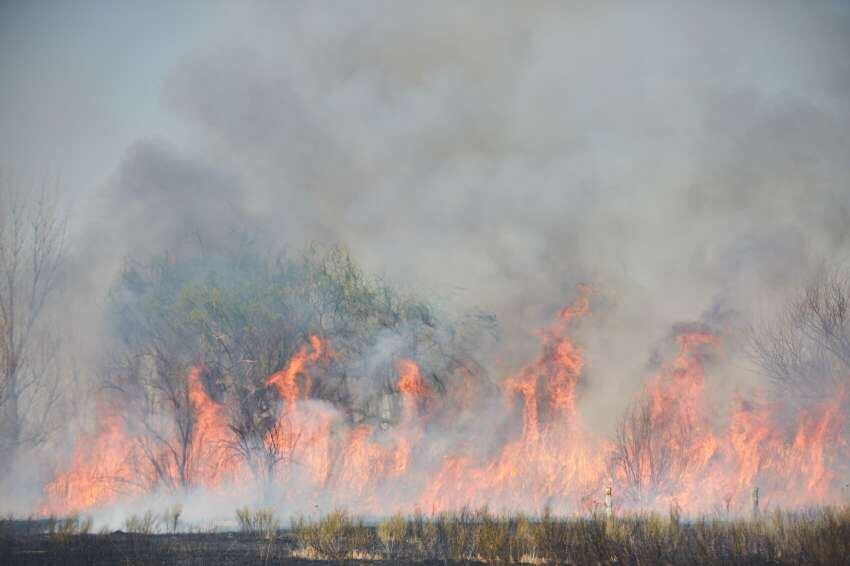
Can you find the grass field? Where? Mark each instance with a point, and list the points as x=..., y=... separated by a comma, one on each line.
x=819, y=536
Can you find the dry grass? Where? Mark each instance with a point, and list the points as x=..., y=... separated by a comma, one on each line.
x=820, y=536
x=171, y=517
x=336, y=536
x=62, y=530
x=257, y=522
x=393, y=532
x=146, y=524
x=811, y=537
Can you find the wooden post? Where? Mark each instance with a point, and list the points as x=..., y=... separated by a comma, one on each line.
x=609, y=505
x=386, y=414
x=755, y=500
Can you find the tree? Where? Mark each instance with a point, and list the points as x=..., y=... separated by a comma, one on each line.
x=241, y=317
x=642, y=452
x=32, y=252
x=805, y=348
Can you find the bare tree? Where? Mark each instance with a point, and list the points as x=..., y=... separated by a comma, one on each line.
x=264, y=444
x=148, y=376
x=32, y=252
x=805, y=348
x=642, y=453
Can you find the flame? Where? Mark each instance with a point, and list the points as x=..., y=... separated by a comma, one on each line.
x=675, y=446
x=210, y=459
x=99, y=473
x=413, y=390
x=554, y=458
x=286, y=381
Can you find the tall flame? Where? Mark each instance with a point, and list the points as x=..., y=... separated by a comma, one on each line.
x=673, y=447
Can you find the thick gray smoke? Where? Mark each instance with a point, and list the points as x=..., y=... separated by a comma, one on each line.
x=689, y=160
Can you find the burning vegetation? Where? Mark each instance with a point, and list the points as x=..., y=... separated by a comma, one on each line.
x=304, y=383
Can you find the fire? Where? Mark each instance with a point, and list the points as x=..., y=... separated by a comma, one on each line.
x=99, y=473
x=210, y=458
x=682, y=458
x=286, y=381
x=556, y=458
x=674, y=446
x=413, y=390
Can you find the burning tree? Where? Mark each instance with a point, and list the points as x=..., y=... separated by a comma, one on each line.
x=663, y=439
x=246, y=327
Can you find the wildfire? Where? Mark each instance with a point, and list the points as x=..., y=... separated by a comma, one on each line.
x=287, y=381
x=555, y=459
x=672, y=447
x=100, y=471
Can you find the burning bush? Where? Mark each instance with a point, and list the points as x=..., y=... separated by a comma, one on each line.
x=277, y=379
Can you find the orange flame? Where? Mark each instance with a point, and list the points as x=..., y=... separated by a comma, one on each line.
x=286, y=380
x=674, y=448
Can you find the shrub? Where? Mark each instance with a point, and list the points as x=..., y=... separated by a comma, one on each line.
x=334, y=537
x=146, y=524
x=259, y=522
x=392, y=532
x=62, y=530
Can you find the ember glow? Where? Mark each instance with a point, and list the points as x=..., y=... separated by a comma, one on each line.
x=673, y=447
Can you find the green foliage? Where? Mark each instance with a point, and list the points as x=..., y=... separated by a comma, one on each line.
x=245, y=315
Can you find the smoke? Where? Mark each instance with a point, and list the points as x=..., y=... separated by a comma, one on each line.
x=684, y=157
x=689, y=160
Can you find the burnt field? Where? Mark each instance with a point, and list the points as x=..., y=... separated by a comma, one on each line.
x=819, y=536
x=133, y=548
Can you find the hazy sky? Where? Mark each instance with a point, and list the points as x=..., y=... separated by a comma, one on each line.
x=80, y=81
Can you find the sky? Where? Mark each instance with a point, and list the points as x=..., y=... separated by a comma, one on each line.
x=82, y=80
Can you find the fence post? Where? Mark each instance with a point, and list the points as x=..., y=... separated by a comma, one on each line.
x=609, y=505
x=755, y=500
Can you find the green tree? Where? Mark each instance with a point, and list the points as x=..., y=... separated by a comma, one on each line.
x=241, y=317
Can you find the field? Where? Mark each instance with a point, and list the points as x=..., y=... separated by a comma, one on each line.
x=819, y=536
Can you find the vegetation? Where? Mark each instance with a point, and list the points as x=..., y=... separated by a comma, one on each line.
x=393, y=532
x=819, y=536
x=245, y=315
x=812, y=537
x=333, y=537
x=61, y=530
x=146, y=524
x=805, y=348
x=32, y=255
x=171, y=517
x=258, y=522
